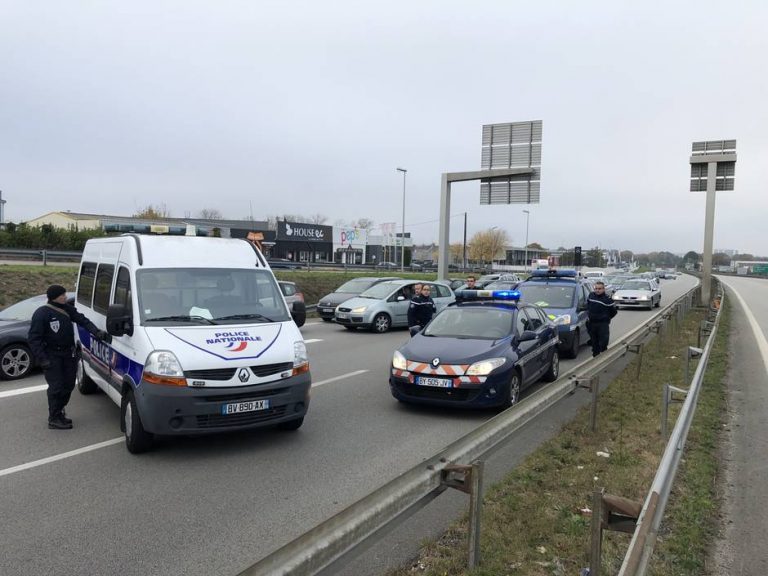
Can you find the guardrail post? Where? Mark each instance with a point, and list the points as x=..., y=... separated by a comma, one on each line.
x=637, y=349
x=45, y=257
x=596, y=550
x=610, y=513
x=593, y=385
x=668, y=399
x=690, y=352
x=469, y=479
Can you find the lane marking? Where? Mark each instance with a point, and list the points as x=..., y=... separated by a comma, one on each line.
x=342, y=377
x=311, y=340
x=762, y=343
x=20, y=391
x=64, y=455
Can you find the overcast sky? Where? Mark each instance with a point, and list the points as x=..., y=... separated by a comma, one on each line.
x=308, y=107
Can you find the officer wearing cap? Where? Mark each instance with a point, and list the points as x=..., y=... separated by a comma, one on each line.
x=52, y=340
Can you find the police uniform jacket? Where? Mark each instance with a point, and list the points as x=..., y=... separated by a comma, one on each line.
x=52, y=330
x=420, y=310
x=600, y=308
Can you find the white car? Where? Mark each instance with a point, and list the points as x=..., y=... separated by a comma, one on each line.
x=640, y=293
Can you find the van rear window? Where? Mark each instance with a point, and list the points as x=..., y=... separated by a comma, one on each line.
x=85, y=283
x=103, y=287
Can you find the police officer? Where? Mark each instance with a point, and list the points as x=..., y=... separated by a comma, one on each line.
x=52, y=340
x=600, y=310
x=421, y=308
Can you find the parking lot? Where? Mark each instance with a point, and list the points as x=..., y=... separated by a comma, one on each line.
x=76, y=502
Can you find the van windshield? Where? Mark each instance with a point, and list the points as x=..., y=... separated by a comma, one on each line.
x=184, y=296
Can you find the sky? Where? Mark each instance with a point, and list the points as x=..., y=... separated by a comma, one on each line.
x=309, y=107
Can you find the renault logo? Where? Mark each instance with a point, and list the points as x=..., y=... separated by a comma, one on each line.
x=243, y=375
x=436, y=362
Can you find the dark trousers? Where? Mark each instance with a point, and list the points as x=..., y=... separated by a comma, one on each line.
x=599, y=334
x=61, y=381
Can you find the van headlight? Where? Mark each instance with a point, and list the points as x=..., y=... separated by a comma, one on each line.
x=300, y=358
x=398, y=361
x=162, y=367
x=485, y=367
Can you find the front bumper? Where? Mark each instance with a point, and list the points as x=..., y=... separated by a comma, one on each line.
x=353, y=320
x=466, y=391
x=325, y=312
x=170, y=410
x=634, y=303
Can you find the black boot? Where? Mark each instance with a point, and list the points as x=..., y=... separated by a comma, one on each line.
x=58, y=423
x=65, y=419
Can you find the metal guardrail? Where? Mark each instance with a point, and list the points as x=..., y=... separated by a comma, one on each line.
x=42, y=255
x=321, y=550
x=644, y=538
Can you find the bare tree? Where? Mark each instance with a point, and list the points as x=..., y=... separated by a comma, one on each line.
x=151, y=212
x=318, y=219
x=210, y=214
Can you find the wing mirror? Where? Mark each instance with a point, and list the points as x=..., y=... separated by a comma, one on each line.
x=527, y=336
x=299, y=312
x=119, y=320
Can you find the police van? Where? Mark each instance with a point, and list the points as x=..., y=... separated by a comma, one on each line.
x=202, y=338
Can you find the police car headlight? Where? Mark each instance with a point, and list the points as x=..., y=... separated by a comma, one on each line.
x=485, y=367
x=565, y=320
x=162, y=367
x=399, y=362
x=359, y=309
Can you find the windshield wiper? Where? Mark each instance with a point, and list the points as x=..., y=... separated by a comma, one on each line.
x=245, y=317
x=182, y=318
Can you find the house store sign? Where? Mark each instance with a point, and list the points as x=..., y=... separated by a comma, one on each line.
x=303, y=232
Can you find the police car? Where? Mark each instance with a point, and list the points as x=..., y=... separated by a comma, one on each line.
x=480, y=351
x=563, y=295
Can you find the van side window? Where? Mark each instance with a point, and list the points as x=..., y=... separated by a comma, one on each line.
x=123, y=289
x=85, y=283
x=103, y=287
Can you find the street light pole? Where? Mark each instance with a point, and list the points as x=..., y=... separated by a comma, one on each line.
x=402, y=239
x=527, y=217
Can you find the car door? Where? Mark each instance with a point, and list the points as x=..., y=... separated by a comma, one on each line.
x=441, y=295
x=538, y=324
x=526, y=351
x=581, y=312
x=398, y=304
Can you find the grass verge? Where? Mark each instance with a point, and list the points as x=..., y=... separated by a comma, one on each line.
x=533, y=522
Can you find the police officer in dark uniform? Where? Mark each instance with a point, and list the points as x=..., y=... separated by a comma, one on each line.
x=421, y=308
x=600, y=310
x=52, y=340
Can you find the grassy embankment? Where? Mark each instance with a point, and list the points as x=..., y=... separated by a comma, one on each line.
x=532, y=524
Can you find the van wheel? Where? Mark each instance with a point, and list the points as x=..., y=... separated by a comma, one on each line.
x=291, y=424
x=137, y=440
x=381, y=323
x=83, y=382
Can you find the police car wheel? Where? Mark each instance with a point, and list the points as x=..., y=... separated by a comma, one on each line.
x=554, y=367
x=83, y=382
x=573, y=349
x=291, y=424
x=381, y=323
x=137, y=440
x=513, y=390
x=15, y=362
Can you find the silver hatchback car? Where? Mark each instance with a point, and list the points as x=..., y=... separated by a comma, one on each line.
x=385, y=305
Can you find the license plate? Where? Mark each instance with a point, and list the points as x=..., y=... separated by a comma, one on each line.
x=342, y=315
x=435, y=382
x=326, y=310
x=250, y=406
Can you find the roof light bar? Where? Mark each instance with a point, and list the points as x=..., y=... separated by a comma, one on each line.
x=508, y=295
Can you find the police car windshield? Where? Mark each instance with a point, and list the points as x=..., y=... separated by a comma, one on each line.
x=380, y=291
x=174, y=296
x=484, y=323
x=546, y=295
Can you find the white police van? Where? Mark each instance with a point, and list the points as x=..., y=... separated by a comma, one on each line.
x=202, y=338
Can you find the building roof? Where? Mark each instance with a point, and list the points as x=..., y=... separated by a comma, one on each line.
x=248, y=224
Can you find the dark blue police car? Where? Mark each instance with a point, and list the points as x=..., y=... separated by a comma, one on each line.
x=564, y=298
x=480, y=351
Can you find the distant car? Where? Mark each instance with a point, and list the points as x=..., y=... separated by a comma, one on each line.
x=385, y=305
x=476, y=353
x=16, y=360
x=388, y=265
x=292, y=294
x=639, y=293
x=326, y=306
x=283, y=263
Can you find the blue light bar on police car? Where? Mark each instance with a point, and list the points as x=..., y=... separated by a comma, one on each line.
x=553, y=273
x=508, y=295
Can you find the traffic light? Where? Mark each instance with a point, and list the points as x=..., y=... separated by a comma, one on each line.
x=577, y=256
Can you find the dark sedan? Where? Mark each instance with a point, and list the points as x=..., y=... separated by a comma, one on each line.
x=16, y=360
x=481, y=351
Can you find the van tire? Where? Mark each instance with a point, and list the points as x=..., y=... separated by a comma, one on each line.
x=137, y=440
x=291, y=424
x=83, y=382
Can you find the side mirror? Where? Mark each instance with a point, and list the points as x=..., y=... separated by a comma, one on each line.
x=299, y=312
x=414, y=330
x=527, y=336
x=400, y=298
x=119, y=320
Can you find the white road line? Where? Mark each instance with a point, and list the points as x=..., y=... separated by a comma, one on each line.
x=310, y=340
x=762, y=343
x=19, y=391
x=342, y=377
x=70, y=454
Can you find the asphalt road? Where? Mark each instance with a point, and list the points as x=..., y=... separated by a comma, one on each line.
x=741, y=551
x=214, y=505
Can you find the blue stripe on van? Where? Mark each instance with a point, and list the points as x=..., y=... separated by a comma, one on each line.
x=105, y=359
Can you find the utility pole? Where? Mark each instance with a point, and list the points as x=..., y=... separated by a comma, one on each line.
x=464, y=257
